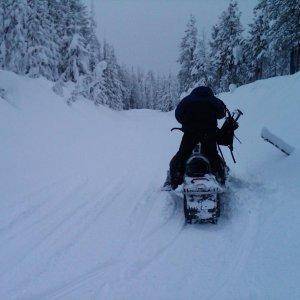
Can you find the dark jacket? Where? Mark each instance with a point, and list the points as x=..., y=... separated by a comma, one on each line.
x=199, y=111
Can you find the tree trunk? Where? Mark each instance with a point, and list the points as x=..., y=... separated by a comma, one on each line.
x=292, y=61
x=295, y=59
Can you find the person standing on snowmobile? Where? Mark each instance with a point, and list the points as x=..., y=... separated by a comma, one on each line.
x=198, y=114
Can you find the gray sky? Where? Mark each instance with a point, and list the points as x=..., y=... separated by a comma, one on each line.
x=146, y=33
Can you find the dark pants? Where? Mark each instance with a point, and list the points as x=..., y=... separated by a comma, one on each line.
x=188, y=143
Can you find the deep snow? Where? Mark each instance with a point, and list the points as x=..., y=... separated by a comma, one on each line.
x=82, y=215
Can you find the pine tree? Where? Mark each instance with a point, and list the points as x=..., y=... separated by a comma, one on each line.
x=257, y=44
x=75, y=59
x=97, y=87
x=93, y=44
x=3, y=16
x=216, y=57
x=226, y=49
x=150, y=90
x=200, y=71
x=169, y=93
x=91, y=86
x=134, y=91
x=13, y=35
x=164, y=102
x=112, y=82
x=125, y=86
x=284, y=34
x=2, y=33
x=58, y=10
x=140, y=89
x=187, y=55
x=42, y=51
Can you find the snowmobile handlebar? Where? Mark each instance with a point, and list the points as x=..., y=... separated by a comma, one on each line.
x=236, y=114
x=177, y=128
x=228, y=128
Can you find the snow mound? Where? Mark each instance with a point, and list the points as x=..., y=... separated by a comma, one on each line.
x=272, y=264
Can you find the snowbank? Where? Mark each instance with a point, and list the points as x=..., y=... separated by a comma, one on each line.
x=82, y=215
x=272, y=265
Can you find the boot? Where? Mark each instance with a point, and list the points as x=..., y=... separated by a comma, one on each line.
x=167, y=185
x=176, y=179
x=172, y=182
x=218, y=168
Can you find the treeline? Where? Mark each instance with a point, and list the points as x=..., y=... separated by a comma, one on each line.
x=56, y=39
x=270, y=48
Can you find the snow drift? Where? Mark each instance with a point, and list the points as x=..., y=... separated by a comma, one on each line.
x=82, y=215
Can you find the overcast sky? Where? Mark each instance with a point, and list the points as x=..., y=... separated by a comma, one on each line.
x=146, y=33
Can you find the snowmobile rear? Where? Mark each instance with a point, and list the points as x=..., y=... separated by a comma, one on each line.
x=201, y=188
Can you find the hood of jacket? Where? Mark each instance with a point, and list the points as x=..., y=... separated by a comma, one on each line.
x=202, y=91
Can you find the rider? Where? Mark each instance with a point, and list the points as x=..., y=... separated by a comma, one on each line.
x=198, y=114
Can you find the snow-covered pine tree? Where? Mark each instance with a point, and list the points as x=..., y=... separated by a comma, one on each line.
x=91, y=86
x=13, y=35
x=187, y=55
x=97, y=90
x=215, y=57
x=134, y=91
x=150, y=90
x=75, y=59
x=160, y=92
x=226, y=49
x=125, y=86
x=3, y=9
x=200, y=70
x=93, y=44
x=284, y=35
x=174, y=89
x=42, y=50
x=164, y=101
x=141, y=91
x=112, y=81
x=58, y=10
x=256, y=50
x=169, y=93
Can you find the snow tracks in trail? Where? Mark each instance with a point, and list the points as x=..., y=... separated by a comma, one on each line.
x=75, y=220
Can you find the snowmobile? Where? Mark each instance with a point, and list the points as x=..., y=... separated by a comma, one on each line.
x=201, y=188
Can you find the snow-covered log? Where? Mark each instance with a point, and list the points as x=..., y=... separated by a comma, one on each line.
x=276, y=141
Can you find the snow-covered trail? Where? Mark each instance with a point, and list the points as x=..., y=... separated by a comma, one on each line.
x=83, y=217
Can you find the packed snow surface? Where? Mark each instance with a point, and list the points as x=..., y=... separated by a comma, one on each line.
x=82, y=215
